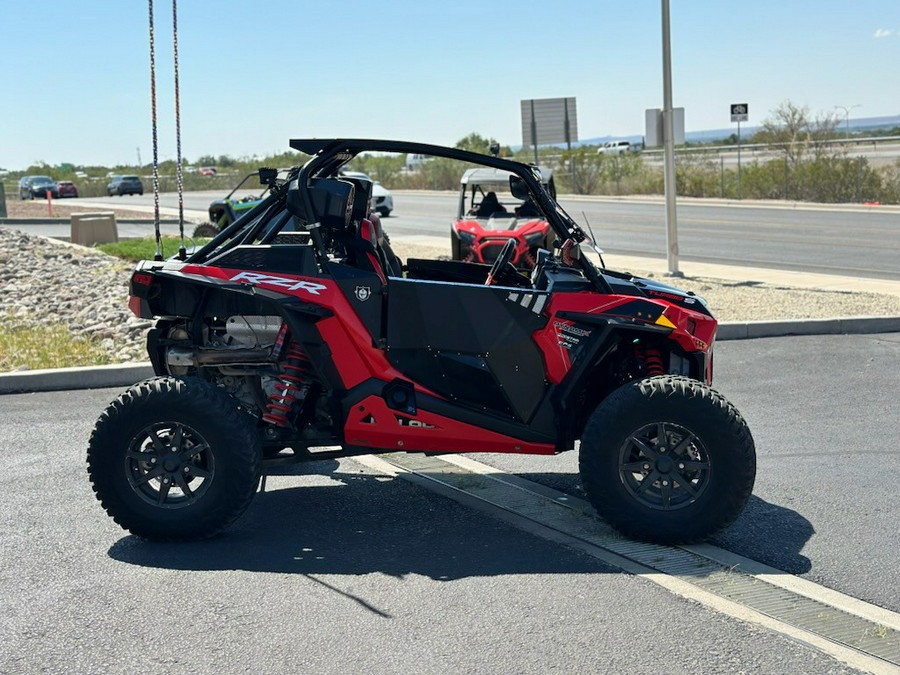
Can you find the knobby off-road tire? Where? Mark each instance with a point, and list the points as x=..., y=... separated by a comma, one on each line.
x=174, y=459
x=667, y=460
x=205, y=230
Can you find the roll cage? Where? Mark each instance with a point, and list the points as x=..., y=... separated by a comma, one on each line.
x=306, y=199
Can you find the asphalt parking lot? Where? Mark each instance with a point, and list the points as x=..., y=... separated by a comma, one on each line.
x=337, y=568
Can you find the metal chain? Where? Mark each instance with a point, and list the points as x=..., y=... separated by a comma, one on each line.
x=158, y=255
x=182, y=253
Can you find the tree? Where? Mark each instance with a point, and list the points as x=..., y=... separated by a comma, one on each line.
x=475, y=142
x=792, y=129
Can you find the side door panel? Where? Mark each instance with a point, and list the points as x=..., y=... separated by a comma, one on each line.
x=472, y=344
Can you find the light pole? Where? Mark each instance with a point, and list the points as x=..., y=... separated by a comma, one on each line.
x=669, y=182
x=847, y=110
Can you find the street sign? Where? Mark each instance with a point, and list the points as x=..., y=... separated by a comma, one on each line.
x=740, y=112
x=653, y=127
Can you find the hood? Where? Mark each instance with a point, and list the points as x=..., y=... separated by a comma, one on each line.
x=625, y=283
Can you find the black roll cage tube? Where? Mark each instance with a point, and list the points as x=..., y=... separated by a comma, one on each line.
x=328, y=155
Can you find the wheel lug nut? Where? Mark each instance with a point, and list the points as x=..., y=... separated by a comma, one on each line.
x=153, y=460
x=681, y=466
x=665, y=483
x=647, y=467
x=187, y=469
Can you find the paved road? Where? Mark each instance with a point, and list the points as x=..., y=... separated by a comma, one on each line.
x=863, y=242
x=336, y=569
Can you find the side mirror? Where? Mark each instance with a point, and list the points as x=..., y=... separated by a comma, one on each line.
x=518, y=188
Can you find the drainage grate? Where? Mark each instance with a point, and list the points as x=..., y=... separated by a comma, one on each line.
x=576, y=518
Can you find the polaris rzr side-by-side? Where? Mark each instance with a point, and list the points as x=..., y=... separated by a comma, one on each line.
x=296, y=334
x=223, y=212
x=489, y=215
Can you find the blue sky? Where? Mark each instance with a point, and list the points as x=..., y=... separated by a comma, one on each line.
x=75, y=84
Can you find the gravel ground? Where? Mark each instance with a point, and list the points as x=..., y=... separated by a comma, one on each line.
x=60, y=208
x=44, y=280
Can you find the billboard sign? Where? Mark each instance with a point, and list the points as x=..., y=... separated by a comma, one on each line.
x=548, y=121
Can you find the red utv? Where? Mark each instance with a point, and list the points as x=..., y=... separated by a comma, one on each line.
x=489, y=215
x=295, y=335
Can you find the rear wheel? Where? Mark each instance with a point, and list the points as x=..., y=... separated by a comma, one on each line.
x=667, y=460
x=174, y=459
x=204, y=230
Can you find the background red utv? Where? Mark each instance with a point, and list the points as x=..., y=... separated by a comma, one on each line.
x=66, y=189
x=489, y=215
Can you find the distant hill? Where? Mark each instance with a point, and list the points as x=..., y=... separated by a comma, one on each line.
x=860, y=124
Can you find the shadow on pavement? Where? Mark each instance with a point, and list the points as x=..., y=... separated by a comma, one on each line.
x=770, y=534
x=361, y=524
x=765, y=532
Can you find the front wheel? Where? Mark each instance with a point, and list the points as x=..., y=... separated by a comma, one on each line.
x=174, y=459
x=667, y=460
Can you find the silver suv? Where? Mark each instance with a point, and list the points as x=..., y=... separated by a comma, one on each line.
x=125, y=185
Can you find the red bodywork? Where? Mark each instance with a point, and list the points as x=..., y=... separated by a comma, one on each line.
x=372, y=424
x=482, y=244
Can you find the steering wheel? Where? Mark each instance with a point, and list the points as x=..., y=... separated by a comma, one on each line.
x=503, y=259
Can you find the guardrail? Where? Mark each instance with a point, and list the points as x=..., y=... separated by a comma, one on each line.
x=761, y=147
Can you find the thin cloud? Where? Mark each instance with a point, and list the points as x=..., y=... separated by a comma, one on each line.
x=883, y=32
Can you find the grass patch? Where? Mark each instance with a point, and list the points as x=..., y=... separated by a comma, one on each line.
x=32, y=347
x=144, y=249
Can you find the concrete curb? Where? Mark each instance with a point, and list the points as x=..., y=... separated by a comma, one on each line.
x=839, y=326
x=124, y=375
x=91, y=377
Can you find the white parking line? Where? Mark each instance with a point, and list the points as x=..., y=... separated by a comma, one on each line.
x=857, y=633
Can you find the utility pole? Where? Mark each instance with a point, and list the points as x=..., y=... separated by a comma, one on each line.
x=847, y=109
x=669, y=148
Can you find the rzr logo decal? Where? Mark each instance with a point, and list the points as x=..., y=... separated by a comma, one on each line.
x=363, y=293
x=282, y=282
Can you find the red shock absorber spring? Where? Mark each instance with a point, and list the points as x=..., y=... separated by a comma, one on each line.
x=292, y=386
x=650, y=358
x=653, y=361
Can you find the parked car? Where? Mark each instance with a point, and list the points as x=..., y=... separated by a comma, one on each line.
x=488, y=216
x=24, y=189
x=37, y=186
x=382, y=199
x=66, y=188
x=125, y=185
x=208, y=171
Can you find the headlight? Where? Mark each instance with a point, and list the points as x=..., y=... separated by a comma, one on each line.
x=535, y=239
x=467, y=237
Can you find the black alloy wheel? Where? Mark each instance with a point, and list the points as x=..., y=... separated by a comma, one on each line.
x=668, y=460
x=174, y=459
